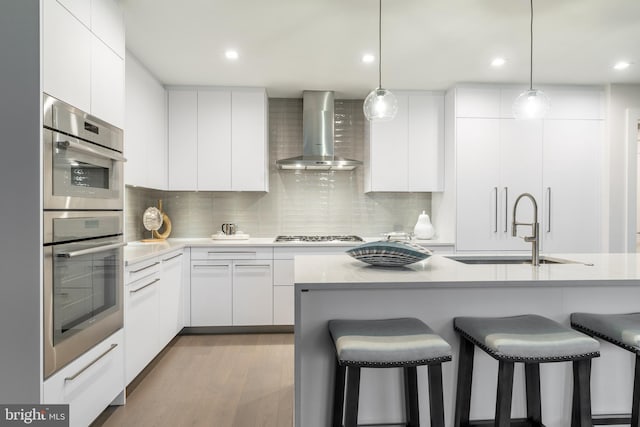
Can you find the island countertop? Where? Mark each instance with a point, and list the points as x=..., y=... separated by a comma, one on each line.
x=436, y=291
x=336, y=270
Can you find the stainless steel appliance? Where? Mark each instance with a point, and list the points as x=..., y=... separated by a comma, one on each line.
x=318, y=128
x=83, y=283
x=83, y=200
x=318, y=239
x=83, y=162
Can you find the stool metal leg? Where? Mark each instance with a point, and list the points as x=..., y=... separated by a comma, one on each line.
x=505, y=391
x=436, y=399
x=463, y=389
x=532, y=380
x=411, y=396
x=581, y=411
x=635, y=405
x=353, y=394
x=338, y=395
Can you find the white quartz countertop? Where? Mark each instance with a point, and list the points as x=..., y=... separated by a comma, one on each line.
x=139, y=251
x=328, y=271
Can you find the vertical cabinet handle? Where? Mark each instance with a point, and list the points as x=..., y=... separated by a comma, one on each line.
x=495, y=212
x=548, y=209
x=506, y=207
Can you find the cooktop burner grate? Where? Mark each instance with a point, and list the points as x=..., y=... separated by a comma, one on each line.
x=319, y=239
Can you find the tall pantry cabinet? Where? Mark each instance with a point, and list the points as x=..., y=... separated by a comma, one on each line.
x=557, y=160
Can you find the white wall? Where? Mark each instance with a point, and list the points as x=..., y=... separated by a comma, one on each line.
x=21, y=212
x=145, y=136
x=622, y=167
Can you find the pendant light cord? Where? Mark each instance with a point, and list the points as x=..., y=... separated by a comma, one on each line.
x=380, y=44
x=531, y=49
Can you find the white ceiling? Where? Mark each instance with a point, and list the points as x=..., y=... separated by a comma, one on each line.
x=291, y=45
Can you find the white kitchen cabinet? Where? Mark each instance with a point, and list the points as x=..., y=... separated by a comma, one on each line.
x=557, y=160
x=571, y=220
x=211, y=293
x=252, y=292
x=81, y=9
x=145, y=139
x=214, y=140
x=153, y=308
x=89, y=383
x=406, y=154
x=497, y=160
x=183, y=140
x=231, y=286
x=249, y=147
x=141, y=320
x=107, y=23
x=66, y=56
x=170, y=304
x=218, y=139
x=78, y=67
x=283, y=290
x=107, y=84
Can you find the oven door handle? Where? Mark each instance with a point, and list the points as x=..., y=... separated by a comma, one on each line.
x=67, y=144
x=90, y=251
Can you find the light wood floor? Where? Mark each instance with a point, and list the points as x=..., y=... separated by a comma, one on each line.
x=213, y=381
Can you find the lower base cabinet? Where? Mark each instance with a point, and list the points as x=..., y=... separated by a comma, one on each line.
x=153, y=302
x=90, y=383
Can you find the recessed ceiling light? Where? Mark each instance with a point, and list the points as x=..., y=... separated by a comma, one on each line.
x=368, y=58
x=622, y=65
x=498, y=62
x=231, y=54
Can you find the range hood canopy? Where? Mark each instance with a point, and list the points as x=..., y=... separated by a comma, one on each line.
x=318, y=129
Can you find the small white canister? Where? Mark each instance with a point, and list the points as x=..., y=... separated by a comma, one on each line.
x=424, y=228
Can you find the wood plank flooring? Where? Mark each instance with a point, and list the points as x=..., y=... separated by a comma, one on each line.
x=212, y=380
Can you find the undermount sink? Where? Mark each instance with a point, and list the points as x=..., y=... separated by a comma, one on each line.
x=507, y=259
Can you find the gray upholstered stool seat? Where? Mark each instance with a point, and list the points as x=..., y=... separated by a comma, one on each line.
x=622, y=330
x=390, y=342
x=528, y=339
x=404, y=342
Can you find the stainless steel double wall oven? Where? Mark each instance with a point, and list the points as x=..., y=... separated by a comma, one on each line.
x=83, y=201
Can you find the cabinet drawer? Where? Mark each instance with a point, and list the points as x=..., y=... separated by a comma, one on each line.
x=236, y=252
x=90, y=383
x=291, y=251
x=141, y=269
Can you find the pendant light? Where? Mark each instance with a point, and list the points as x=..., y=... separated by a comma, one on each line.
x=532, y=103
x=380, y=105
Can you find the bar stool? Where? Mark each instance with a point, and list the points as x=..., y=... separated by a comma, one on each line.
x=623, y=330
x=528, y=339
x=390, y=343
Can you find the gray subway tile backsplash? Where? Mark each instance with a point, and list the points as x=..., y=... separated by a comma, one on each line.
x=298, y=202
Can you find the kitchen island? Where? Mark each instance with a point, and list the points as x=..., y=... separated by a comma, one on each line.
x=437, y=290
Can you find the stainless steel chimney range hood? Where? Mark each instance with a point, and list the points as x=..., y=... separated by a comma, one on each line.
x=317, y=129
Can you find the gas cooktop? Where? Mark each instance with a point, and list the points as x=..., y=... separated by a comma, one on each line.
x=319, y=239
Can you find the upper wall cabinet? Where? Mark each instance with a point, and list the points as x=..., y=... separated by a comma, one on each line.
x=83, y=64
x=406, y=154
x=145, y=140
x=218, y=140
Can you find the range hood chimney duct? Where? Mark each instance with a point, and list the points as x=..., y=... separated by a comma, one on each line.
x=318, y=130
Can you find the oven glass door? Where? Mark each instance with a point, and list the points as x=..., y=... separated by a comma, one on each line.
x=86, y=284
x=81, y=175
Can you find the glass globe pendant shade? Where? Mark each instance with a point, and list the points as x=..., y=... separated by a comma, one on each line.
x=380, y=105
x=531, y=104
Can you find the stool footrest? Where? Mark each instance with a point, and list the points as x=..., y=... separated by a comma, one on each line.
x=611, y=419
x=515, y=422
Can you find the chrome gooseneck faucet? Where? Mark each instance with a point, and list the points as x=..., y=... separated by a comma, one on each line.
x=535, y=228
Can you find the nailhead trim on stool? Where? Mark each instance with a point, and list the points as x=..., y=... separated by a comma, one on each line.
x=387, y=343
x=528, y=339
x=622, y=330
